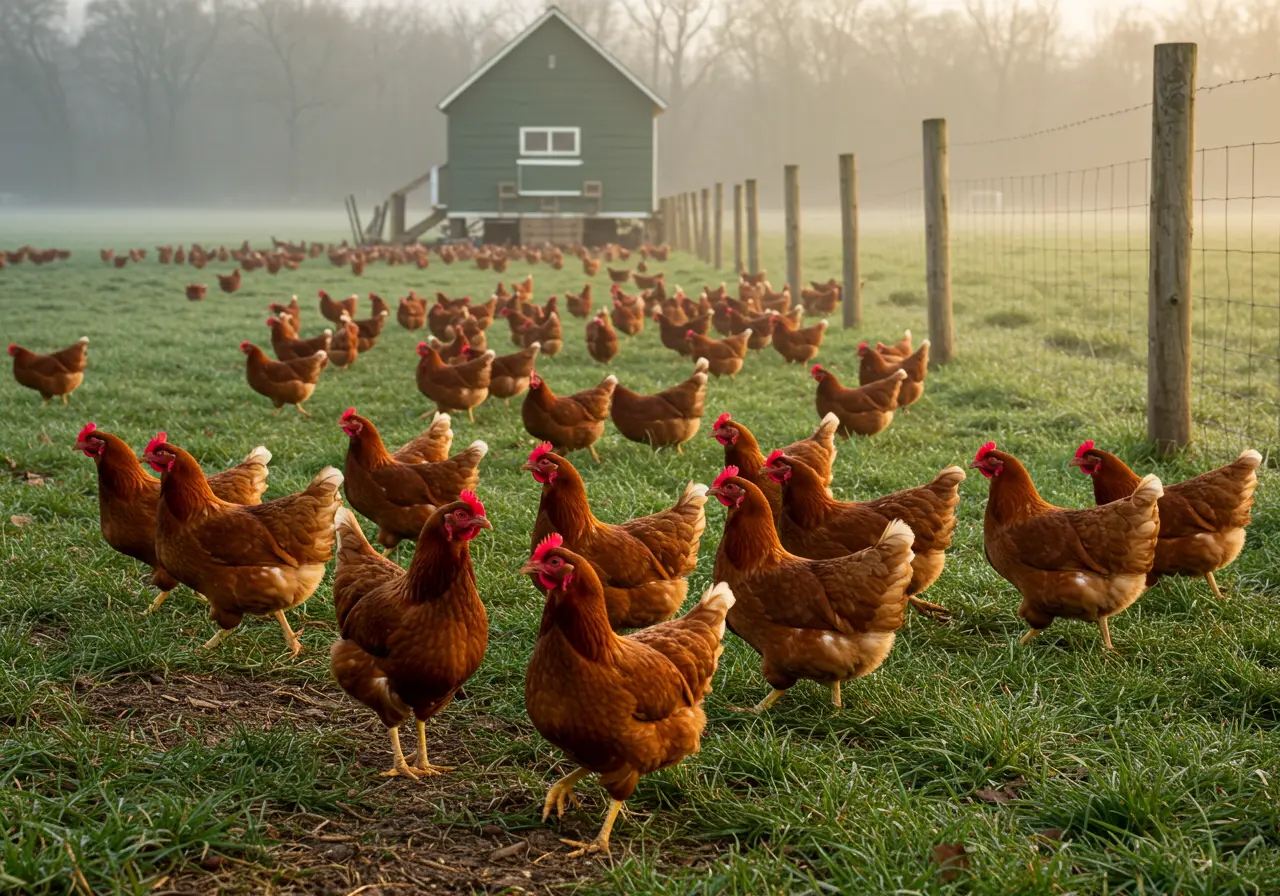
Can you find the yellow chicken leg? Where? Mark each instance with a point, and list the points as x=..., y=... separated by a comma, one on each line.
x=561, y=793
x=1106, y=634
x=216, y=639
x=1030, y=636
x=1213, y=584
x=303, y=411
x=835, y=693
x=155, y=604
x=592, y=449
x=421, y=765
x=601, y=843
x=290, y=637
x=770, y=699
x=65, y=398
x=399, y=767
x=471, y=415
x=933, y=611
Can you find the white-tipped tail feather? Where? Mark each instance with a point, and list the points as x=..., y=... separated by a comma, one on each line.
x=611, y=380
x=330, y=477
x=693, y=491
x=322, y=354
x=260, y=455
x=701, y=365
x=899, y=532
x=1149, y=489
x=479, y=445
x=900, y=374
x=718, y=597
x=83, y=340
x=1250, y=455
x=829, y=423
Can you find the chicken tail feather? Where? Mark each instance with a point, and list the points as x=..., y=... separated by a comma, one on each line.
x=897, y=532
x=1149, y=491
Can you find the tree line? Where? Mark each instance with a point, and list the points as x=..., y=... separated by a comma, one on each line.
x=269, y=101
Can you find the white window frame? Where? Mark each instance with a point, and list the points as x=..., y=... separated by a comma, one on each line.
x=577, y=142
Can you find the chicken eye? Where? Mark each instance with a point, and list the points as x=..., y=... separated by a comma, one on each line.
x=556, y=563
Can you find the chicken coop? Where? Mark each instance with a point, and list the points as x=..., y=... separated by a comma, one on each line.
x=550, y=140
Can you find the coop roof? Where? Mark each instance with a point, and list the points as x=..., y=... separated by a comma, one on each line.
x=551, y=13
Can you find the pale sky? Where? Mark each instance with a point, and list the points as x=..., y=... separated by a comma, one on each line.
x=1078, y=16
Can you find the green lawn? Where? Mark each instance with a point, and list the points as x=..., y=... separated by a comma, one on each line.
x=134, y=764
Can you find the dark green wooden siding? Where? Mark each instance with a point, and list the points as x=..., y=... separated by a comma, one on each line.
x=583, y=91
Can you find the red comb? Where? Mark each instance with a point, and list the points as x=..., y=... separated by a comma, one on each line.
x=984, y=451
x=1084, y=446
x=88, y=428
x=688, y=334
x=477, y=509
x=273, y=322
x=816, y=368
x=160, y=439
x=422, y=349
x=348, y=414
x=550, y=543
x=244, y=345
x=776, y=454
x=727, y=473
x=722, y=420
x=537, y=453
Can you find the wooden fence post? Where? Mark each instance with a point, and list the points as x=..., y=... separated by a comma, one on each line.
x=852, y=310
x=737, y=228
x=704, y=242
x=937, y=213
x=691, y=233
x=717, y=235
x=753, y=226
x=1173, y=119
x=791, y=183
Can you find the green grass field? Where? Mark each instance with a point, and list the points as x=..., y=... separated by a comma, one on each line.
x=134, y=764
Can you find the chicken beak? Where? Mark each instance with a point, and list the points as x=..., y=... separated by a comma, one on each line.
x=481, y=523
x=1076, y=462
x=973, y=465
x=526, y=466
x=530, y=569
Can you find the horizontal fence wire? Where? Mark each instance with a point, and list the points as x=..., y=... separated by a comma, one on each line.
x=1236, y=303
x=1058, y=261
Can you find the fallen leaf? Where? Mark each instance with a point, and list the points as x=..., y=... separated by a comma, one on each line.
x=20, y=519
x=508, y=852
x=1049, y=837
x=203, y=704
x=992, y=796
x=10, y=462
x=212, y=863
x=32, y=478
x=951, y=859
x=44, y=439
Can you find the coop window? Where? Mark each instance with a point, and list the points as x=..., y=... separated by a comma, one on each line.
x=550, y=141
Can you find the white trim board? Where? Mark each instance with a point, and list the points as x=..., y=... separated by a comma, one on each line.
x=552, y=12
x=566, y=193
x=563, y=163
x=550, y=150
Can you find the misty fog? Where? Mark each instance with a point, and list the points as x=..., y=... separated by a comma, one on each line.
x=258, y=103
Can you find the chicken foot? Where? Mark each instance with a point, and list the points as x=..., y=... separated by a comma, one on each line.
x=155, y=604
x=1213, y=584
x=601, y=843
x=936, y=612
x=562, y=793
x=1106, y=633
x=1029, y=636
x=303, y=411
x=771, y=698
x=217, y=639
x=421, y=765
x=290, y=637
x=399, y=767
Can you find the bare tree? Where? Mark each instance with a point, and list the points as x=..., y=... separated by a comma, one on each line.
x=32, y=45
x=298, y=42
x=650, y=17
x=149, y=54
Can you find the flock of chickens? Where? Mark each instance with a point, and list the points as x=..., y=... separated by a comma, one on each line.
x=816, y=586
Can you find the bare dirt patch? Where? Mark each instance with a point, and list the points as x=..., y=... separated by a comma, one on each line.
x=390, y=839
